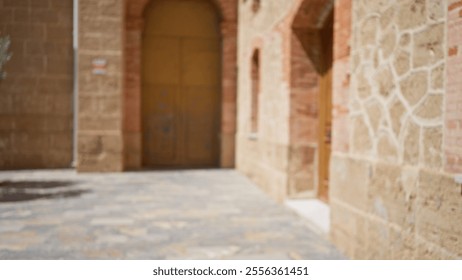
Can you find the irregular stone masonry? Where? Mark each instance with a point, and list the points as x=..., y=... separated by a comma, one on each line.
x=397, y=85
x=390, y=196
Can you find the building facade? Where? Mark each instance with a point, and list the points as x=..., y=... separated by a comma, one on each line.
x=357, y=103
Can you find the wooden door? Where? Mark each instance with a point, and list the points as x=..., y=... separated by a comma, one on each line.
x=181, y=84
x=325, y=131
x=325, y=108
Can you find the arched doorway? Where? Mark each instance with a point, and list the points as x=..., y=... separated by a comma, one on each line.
x=181, y=84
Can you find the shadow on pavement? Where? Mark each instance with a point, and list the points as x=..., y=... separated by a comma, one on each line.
x=18, y=191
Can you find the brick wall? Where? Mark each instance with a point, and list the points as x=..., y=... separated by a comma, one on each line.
x=304, y=113
x=309, y=62
x=36, y=97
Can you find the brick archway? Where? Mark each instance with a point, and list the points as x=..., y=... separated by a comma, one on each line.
x=134, y=11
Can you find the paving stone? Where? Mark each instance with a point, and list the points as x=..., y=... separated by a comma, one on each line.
x=203, y=214
x=110, y=221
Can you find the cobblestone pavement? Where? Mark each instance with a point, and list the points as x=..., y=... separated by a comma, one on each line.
x=204, y=214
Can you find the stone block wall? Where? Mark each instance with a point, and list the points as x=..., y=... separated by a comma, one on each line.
x=100, y=114
x=263, y=155
x=391, y=197
x=36, y=97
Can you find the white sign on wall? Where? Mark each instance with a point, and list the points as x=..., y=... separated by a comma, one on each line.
x=99, y=66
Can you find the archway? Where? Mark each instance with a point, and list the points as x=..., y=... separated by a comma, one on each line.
x=136, y=23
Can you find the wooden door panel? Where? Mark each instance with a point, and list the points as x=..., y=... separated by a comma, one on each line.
x=201, y=61
x=201, y=125
x=325, y=104
x=182, y=18
x=325, y=137
x=181, y=84
x=200, y=145
x=161, y=87
x=200, y=101
x=161, y=60
x=160, y=124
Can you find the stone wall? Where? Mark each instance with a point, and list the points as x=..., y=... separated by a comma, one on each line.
x=390, y=196
x=101, y=38
x=263, y=155
x=282, y=155
x=453, y=104
x=36, y=97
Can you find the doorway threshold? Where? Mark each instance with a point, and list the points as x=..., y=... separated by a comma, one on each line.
x=315, y=211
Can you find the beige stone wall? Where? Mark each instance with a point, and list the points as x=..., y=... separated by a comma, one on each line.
x=101, y=37
x=264, y=156
x=453, y=100
x=390, y=197
x=36, y=97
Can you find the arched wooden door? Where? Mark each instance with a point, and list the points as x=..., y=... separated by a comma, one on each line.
x=181, y=84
